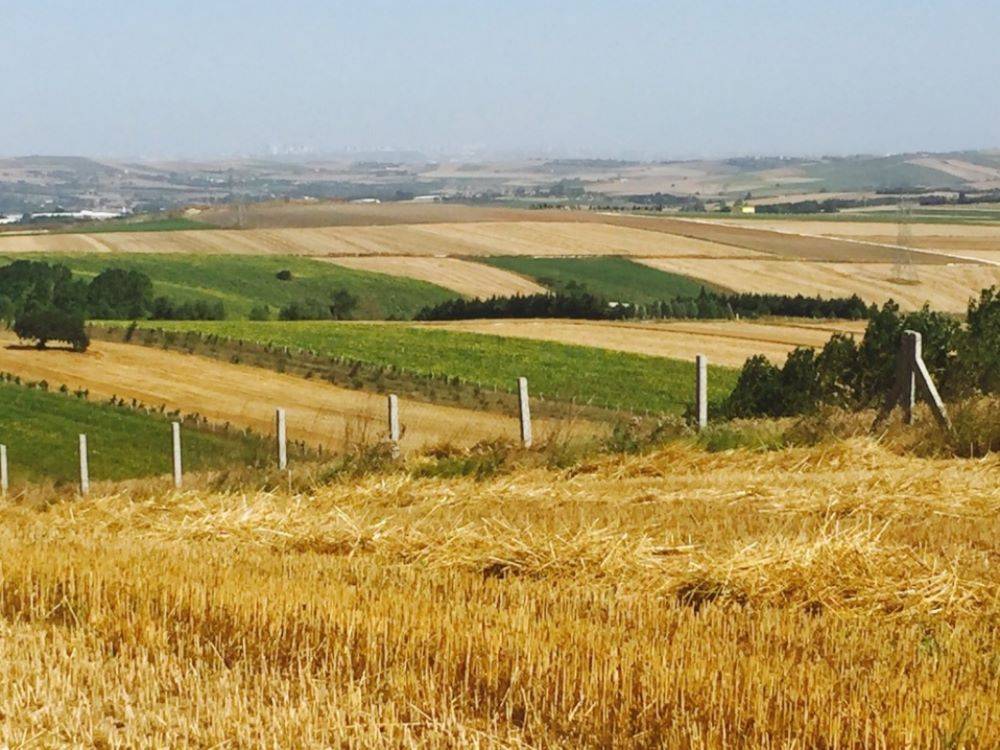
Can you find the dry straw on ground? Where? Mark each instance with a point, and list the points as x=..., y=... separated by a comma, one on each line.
x=835, y=596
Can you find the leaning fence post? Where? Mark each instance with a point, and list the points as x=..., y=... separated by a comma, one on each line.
x=394, y=424
x=84, y=469
x=522, y=398
x=911, y=352
x=912, y=376
x=701, y=391
x=175, y=428
x=281, y=437
x=4, y=476
x=920, y=377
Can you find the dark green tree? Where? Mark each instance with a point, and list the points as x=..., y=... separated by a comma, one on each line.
x=979, y=347
x=117, y=294
x=44, y=324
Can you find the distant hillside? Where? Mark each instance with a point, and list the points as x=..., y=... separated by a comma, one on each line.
x=40, y=183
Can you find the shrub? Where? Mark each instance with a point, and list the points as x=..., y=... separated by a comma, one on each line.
x=757, y=391
x=339, y=307
x=260, y=312
x=166, y=309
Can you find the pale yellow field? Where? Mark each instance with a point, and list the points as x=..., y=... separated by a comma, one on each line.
x=728, y=342
x=945, y=287
x=576, y=238
x=318, y=413
x=483, y=238
x=465, y=277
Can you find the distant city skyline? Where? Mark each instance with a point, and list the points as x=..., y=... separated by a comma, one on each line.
x=638, y=80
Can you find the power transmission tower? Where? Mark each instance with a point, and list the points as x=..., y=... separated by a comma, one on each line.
x=903, y=270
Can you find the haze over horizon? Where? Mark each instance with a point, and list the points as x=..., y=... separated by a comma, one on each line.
x=630, y=79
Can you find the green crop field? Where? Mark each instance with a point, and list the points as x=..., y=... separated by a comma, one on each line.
x=864, y=173
x=614, y=278
x=243, y=281
x=151, y=224
x=562, y=372
x=41, y=429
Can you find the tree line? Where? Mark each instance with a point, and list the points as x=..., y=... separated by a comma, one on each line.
x=963, y=358
x=45, y=302
x=706, y=305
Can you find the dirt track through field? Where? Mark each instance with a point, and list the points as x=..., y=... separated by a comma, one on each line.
x=724, y=342
x=947, y=288
x=463, y=276
x=318, y=413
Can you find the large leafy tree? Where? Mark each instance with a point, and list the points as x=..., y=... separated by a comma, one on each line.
x=44, y=324
x=118, y=294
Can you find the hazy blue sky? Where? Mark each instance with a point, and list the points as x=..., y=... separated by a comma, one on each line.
x=597, y=78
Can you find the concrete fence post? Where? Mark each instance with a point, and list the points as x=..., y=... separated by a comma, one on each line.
x=701, y=391
x=4, y=475
x=282, y=439
x=84, y=468
x=393, y=402
x=522, y=398
x=912, y=376
x=911, y=352
x=175, y=429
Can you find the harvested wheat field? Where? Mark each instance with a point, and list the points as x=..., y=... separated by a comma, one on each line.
x=836, y=596
x=318, y=413
x=483, y=238
x=946, y=288
x=574, y=238
x=465, y=277
x=728, y=342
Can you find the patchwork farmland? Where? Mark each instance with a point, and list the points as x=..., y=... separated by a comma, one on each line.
x=558, y=372
x=622, y=529
x=379, y=381
x=319, y=414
